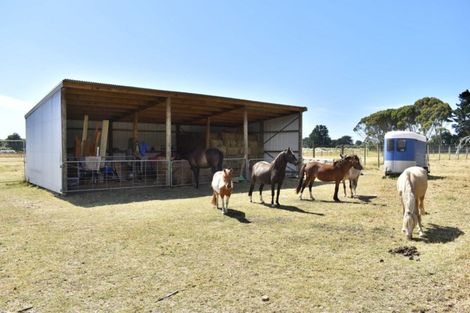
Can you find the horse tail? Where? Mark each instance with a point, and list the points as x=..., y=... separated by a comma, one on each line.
x=301, y=178
x=214, y=198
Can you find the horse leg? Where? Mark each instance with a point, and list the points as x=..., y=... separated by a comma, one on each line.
x=278, y=192
x=223, y=204
x=421, y=206
x=355, y=186
x=344, y=187
x=272, y=194
x=304, y=184
x=252, y=186
x=403, y=228
x=310, y=190
x=420, y=226
x=261, y=193
x=351, y=187
x=226, y=204
x=335, y=196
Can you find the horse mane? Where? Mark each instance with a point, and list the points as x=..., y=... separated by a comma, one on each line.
x=278, y=158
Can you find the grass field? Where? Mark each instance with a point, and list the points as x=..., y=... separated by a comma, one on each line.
x=122, y=251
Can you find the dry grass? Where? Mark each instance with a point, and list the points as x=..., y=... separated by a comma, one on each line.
x=120, y=251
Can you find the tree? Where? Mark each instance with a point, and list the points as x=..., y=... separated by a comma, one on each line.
x=426, y=115
x=345, y=140
x=432, y=113
x=373, y=127
x=461, y=115
x=358, y=143
x=307, y=143
x=319, y=136
x=16, y=145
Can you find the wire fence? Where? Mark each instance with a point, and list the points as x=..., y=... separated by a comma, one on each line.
x=373, y=156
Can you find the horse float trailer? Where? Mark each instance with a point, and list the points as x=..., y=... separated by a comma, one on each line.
x=403, y=149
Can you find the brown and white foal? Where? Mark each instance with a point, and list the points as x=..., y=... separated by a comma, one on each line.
x=222, y=185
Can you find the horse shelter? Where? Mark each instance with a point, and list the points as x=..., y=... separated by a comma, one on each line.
x=93, y=136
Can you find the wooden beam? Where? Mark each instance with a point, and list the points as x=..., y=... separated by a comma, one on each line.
x=216, y=114
x=104, y=138
x=140, y=109
x=208, y=133
x=168, y=140
x=84, y=134
x=245, y=142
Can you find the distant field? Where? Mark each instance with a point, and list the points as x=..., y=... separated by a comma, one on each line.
x=11, y=168
x=123, y=251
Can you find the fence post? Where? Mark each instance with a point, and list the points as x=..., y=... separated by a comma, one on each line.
x=365, y=154
x=458, y=153
x=439, y=151
x=378, y=156
x=466, y=153
x=449, y=152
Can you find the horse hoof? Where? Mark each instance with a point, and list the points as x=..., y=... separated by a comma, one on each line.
x=337, y=200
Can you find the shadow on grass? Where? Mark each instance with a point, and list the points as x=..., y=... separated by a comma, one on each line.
x=435, y=177
x=238, y=215
x=291, y=208
x=91, y=199
x=366, y=198
x=440, y=234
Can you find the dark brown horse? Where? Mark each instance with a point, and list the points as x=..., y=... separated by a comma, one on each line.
x=271, y=173
x=325, y=172
x=204, y=158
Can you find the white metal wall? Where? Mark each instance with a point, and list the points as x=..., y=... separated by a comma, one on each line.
x=44, y=144
x=280, y=134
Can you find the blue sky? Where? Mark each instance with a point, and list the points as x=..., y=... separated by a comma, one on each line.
x=342, y=59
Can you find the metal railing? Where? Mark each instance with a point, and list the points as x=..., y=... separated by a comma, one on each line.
x=96, y=173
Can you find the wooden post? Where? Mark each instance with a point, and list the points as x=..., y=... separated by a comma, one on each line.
x=245, y=142
x=365, y=155
x=449, y=152
x=135, y=132
x=300, y=162
x=458, y=153
x=84, y=134
x=63, y=108
x=168, y=141
x=104, y=138
x=439, y=151
x=466, y=153
x=110, y=137
x=208, y=133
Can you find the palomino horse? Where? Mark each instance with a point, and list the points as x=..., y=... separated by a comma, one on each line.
x=325, y=172
x=222, y=185
x=204, y=158
x=412, y=185
x=271, y=173
x=353, y=176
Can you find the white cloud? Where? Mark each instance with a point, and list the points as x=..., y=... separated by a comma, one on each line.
x=15, y=104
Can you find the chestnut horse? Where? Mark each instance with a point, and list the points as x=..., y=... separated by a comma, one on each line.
x=325, y=172
x=204, y=158
x=271, y=173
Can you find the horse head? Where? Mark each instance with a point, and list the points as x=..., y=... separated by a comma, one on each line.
x=353, y=160
x=290, y=157
x=227, y=177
